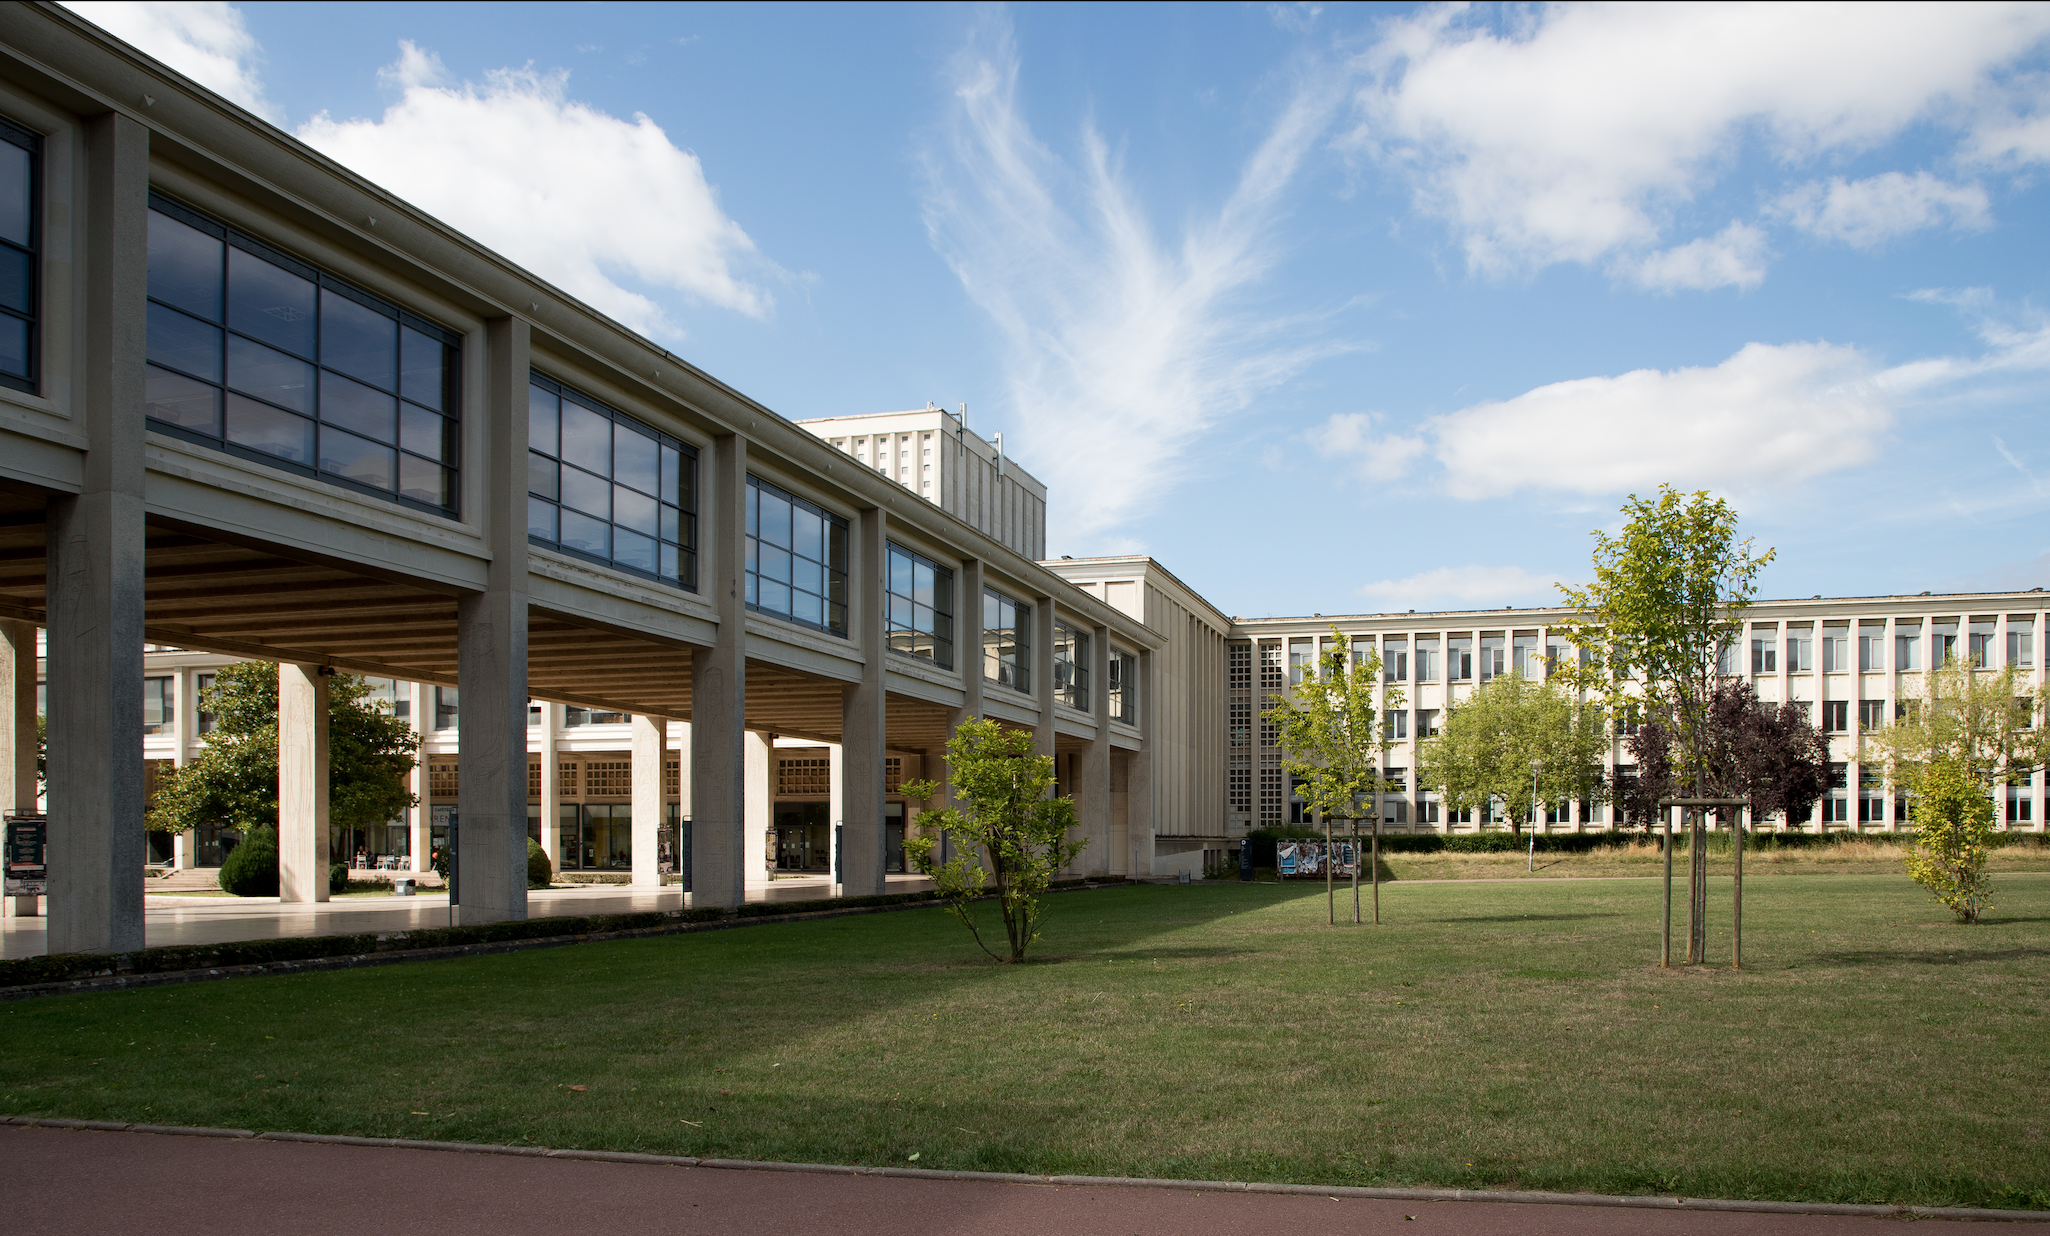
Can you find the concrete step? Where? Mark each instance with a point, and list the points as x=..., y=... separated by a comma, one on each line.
x=192, y=879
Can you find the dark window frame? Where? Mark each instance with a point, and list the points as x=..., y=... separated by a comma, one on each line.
x=835, y=548
x=943, y=583
x=687, y=492
x=1019, y=647
x=31, y=141
x=1071, y=676
x=452, y=341
x=1124, y=686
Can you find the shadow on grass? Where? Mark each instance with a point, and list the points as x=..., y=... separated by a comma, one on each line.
x=1531, y=918
x=1931, y=957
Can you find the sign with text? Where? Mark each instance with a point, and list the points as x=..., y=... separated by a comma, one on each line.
x=26, y=855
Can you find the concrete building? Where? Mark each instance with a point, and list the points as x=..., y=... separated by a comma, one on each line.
x=934, y=455
x=253, y=405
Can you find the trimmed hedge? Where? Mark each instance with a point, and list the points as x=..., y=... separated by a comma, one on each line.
x=251, y=869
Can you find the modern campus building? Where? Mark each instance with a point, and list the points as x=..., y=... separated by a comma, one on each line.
x=253, y=407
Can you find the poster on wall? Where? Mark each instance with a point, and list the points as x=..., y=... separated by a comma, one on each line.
x=26, y=855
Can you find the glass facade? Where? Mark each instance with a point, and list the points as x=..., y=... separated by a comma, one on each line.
x=1006, y=641
x=1071, y=667
x=796, y=559
x=20, y=239
x=602, y=485
x=921, y=607
x=264, y=356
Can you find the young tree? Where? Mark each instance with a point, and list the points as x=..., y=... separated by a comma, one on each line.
x=1667, y=598
x=233, y=781
x=1005, y=816
x=1975, y=727
x=1332, y=737
x=1488, y=744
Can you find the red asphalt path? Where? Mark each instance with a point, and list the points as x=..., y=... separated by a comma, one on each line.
x=80, y=1181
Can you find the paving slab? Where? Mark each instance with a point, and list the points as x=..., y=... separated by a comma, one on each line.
x=87, y=1180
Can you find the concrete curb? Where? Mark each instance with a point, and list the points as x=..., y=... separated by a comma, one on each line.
x=305, y=965
x=1738, y=1205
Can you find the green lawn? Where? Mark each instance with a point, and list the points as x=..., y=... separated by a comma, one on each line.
x=1506, y=1033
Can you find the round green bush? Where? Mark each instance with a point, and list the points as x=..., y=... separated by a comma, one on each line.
x=252, y=869
x=539, y=870
x=337, y=879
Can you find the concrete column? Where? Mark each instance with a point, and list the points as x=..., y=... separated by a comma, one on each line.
x=421, y=815
x=757, y=862
x=863, y=714
x=551, y=785
x=650, y=743
x=1092, y=765
x=302, y=783
x=836, y=807
x=184, y=730
x=18, y=732
x=95, y=573
x=491, y=652
x=1139, y=802
x=718, y=685
x=1042, y=674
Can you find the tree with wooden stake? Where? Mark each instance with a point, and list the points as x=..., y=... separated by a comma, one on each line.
x=1767, y=758
x=1668, y=596
x=1006, y=816
x=1332, y=738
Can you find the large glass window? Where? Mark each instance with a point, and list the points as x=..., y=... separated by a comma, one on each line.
x=1071, y=667
x=20, y=239
x=1124, y=687
x=921, y=601
x=159, y=705
x=255, y=352
x=1006, y=641
x=796, y=559
x=604, y=486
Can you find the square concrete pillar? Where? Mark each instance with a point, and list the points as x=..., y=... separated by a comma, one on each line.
x=1042, y=674
x=302, y=783
x=1092, y=764
x=650, y=742
x=491, y=653
x=551, y=785
x=18, y=731
x=1140, y=823
x=718, y=688
x=863, y=714
x=421, y=816
x=758, y=859
x=95, y=575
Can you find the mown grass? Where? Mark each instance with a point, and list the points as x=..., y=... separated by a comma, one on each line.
x=1506, y=1033
x=1861, y=855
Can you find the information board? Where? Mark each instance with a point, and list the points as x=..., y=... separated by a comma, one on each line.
x=27, y=855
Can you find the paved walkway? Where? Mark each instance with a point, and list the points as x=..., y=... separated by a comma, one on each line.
x=57, y=1181
x=216, y=920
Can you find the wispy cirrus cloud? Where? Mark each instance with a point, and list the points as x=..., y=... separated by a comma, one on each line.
x=1120, y=347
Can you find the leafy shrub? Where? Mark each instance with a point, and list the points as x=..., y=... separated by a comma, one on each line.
x=539, y=870
x=337, y=878
x=252, y=870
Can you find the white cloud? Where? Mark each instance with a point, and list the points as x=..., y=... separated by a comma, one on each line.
x=1464, y=587
x=1734, y=257
x=1350, y=437
x=1766, y=418
x=587, y=200
x=1120, y=348
x=1573, y=133
x=1864, y=213
x=203, y=39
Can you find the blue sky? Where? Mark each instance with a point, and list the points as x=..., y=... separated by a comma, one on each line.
x=1330, y=309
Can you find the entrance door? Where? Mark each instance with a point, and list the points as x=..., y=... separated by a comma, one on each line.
x=802, y=839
